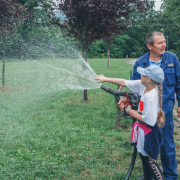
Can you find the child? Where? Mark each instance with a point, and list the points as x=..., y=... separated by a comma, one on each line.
x=146, y=133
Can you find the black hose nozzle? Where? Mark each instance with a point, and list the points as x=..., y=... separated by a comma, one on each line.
x=133, y=97
x=113, y=92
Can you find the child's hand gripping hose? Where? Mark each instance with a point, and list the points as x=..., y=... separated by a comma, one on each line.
x=133, y=99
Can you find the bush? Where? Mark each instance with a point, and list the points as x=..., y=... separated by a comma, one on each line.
x=133, y=55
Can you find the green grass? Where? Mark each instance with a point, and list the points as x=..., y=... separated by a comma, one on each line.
x=53, y=134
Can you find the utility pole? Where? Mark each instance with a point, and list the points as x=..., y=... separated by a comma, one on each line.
x=162, y=31
x=167, y=42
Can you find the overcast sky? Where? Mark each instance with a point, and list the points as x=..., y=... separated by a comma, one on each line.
x=157, y=4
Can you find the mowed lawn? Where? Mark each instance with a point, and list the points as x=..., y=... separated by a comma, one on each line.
x=51, y=133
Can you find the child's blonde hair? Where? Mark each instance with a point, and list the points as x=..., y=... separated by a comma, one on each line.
x=161, y=116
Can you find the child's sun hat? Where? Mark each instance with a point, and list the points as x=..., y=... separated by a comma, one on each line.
x=154, y=72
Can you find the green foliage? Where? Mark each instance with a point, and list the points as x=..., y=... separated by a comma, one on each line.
x=154, y=21
x=39, y=42
x=38, y=13
x=133, y=42
x=172, y=9
x=133, y=54
x=37, y=39
x=118, y=46
x=99, y=48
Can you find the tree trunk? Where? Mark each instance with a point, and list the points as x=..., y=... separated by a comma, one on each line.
x=84, y=67
x=3, y=68
x=118, y=120
x=20, y=53
x=108, y=59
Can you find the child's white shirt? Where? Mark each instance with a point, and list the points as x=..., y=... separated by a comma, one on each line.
x=150, y=108
x=150, y=101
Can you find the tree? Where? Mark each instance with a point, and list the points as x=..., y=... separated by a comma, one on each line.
x=118, y=46
x=118, y=13
x=11, y=18
x=154, y=21
x=38, y=18
x=97, y=50
x=89, y=20
x=172, y=9
x=135, y=45
x=140, y=26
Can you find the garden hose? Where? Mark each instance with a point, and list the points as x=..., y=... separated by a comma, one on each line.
x=133, y=99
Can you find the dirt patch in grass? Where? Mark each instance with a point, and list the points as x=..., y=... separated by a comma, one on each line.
x=6, y=88
x=124, y=126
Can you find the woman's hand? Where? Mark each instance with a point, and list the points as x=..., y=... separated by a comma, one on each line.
x=100, y=78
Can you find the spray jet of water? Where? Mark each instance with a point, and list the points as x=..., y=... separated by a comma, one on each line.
x=73, y=77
